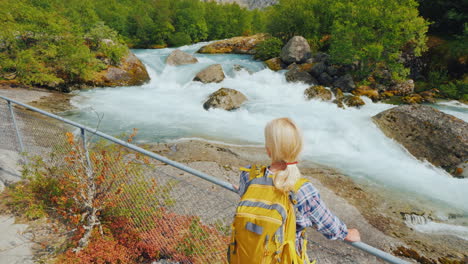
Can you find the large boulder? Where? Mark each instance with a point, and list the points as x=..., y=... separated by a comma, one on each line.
x=130, y=72
x=225, y=98
x=345, y=83
x=297, y=50
x=213, y=73
x=237, y=45
x=297, y=75
x=428, y=134
x=178, y=57
x=318, y=92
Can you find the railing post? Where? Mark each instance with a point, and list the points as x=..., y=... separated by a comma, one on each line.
x=16, y=127
x=85, y=148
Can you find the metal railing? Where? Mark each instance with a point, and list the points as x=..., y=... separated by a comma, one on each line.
x=28, y=143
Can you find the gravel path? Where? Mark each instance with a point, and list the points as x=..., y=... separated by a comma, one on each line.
x=15, y=242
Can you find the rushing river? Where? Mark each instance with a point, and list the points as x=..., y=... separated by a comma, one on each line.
x=170, y=107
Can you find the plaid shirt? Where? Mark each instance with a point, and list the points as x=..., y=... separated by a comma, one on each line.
x=311, y=212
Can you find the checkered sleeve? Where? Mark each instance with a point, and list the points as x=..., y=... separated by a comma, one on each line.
x=243, y=178
x=312, y=212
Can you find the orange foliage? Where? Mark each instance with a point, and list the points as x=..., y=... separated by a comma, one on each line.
x=101, y=250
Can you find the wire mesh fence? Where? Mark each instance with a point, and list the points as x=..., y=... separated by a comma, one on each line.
x=169, y=215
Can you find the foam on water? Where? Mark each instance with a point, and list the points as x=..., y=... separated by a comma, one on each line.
x=422, y=224
x=170, y=107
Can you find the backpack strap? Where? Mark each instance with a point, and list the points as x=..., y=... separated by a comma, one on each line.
x=254, y=171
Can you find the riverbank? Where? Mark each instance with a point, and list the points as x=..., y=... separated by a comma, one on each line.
x=48, y=100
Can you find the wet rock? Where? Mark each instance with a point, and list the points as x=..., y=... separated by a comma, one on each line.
x=403, y=88
x=275, y=64
x=297, y=75
x=339, y=94
x=296, y=50
x=427, y=133
x=386, y=94
x=345, y=83
x=412, y=99
x=318, y=92
x=225, y=98
x=353, y=101
x=238, y=68
x=213, y=73
x=237, y=45
x=428, y=96
x=130, y=72
x=365, y=90
x=339, y=103
x=178, y=57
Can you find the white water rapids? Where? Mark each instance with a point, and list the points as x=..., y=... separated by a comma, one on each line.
x=170, y=107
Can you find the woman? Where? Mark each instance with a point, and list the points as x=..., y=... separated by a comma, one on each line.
x=283, y=142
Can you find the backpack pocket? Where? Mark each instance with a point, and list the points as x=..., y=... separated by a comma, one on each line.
x=255, y=240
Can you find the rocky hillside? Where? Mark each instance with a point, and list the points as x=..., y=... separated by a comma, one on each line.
x=251, y=4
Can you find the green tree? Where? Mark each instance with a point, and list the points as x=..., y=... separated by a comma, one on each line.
x=189, y=18
x=294, y=17
x=373, y=32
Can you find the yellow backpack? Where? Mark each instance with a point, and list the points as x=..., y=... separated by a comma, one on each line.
x=264, y=226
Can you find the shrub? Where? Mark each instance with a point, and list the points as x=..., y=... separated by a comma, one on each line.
x=179, y=39
x=270, y=48
x=455, y=90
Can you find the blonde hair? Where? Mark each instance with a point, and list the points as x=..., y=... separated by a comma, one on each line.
x=283, y=139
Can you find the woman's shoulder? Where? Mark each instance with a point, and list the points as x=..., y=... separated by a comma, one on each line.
x=307, y=190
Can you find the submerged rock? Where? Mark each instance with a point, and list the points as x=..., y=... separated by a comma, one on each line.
x=213, y=73
x=318, y=92
x=237, y=45
x=428, y=134
x=178, y=57
x=131, y=72
x=225, y=98
x=297, y=50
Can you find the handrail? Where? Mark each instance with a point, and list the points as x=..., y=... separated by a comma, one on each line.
x=360, y=245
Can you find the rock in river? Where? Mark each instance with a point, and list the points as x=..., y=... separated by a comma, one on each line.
x=131, y=72
x=213, y=73
x=298, y=75
x=428, y=134
x=178, y=57
x=318, y=92
x=225, y=98
x=237, y=45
